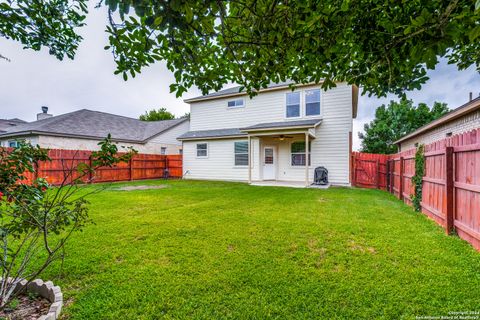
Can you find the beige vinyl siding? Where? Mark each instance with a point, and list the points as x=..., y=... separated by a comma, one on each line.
x=265, y=107
x=330, y=148
x=463, y=124
x=220, y=162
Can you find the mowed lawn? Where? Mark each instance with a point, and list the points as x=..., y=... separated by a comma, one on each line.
x=218, y=250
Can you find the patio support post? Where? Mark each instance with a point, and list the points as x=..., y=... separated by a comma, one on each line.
x=306, y=158
x=249, y=159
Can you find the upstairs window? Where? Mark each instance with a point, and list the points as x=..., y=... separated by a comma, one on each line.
x=180, y=151
x=237, y=103
x=298, y=153
x=241, y=153
x=202, y=150
x=12, y=144
x=163, y=150
x=312, y=102
x=293, y=105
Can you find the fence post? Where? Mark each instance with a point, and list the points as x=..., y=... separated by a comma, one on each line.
x=130, y=164
x=400, y=184
x=378, y=174
x=353, y=168
x=387, y=176
x=449, y=185
x=90, y=173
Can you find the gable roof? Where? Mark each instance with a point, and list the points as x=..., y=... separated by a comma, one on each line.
x=464, y=109
x=90, y=124
x=6, y=124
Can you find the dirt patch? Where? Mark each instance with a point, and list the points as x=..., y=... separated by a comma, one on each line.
x=26, y=307
x=132, y=188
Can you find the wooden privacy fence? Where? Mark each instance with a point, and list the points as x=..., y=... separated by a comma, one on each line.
x=369, y=170
x=140, y=167
x=450, y=186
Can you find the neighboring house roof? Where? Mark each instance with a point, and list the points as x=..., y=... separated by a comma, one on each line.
x=310, y=123
x=235, y=91
x=452, y=115
x=6, y=124
x=90, y=124
x=211, y=134
x=242, y=132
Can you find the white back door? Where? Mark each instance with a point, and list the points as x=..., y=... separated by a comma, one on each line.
x=269, y=163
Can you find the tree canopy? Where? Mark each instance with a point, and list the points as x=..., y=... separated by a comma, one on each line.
x=156, y=115
x=385, y=46
x=396, y=120
x=50, y=24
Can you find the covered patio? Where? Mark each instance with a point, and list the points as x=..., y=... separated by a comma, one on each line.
x=277, y=164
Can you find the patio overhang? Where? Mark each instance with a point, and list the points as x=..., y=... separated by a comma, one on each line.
x=299, y=127
x=284, y=127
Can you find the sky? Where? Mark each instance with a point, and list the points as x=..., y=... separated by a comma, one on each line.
x=33, y=79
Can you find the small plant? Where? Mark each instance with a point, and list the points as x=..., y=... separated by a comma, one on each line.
x=14, y=304
x=36, y=219
x=417, y=179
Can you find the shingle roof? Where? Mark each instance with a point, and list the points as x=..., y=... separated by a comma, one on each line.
x=234, y=90
x=283, y=124
x=219, y=133
x=95, y=124
x=6, y=124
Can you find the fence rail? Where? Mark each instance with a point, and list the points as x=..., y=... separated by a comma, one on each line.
x=450, y=186
x=140, y=167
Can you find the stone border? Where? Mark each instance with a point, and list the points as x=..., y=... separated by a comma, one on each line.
x=48, y=291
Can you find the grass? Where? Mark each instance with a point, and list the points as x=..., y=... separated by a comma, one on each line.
x=215, y=250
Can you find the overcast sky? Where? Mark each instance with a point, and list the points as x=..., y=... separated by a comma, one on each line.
x=33, y=79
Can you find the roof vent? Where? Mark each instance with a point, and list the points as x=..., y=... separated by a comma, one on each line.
x=44, y=114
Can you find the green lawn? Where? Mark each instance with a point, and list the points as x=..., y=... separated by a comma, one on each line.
x=214, y=250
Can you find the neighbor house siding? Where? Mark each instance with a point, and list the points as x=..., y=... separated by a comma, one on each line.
x=52, y=142
x=170, y=136
x=31, y=139
x=330, y=149
x=463, y=124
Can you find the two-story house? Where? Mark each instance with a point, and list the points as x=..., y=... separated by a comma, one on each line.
x=238, y=138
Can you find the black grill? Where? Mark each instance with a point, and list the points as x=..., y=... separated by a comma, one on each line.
x=321, y=176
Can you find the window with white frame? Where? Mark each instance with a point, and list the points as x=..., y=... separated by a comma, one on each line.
x=241, y=153
x=293, y=105
x=312, y=102
x=180, y=151
x=298, y=153
x=163, y=150
x=13, y=144
x=237, y=103
x=202, y=150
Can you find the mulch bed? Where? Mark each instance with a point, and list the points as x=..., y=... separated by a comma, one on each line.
x=26, y=308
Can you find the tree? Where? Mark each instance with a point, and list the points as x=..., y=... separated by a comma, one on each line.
x=384, y=46
x=36, y=219
x=156, y=115
x=50, y=24
x=396, y=120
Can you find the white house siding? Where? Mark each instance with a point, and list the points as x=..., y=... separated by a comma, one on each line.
x=463, y=124
x=219, y=164
x=330, y=149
